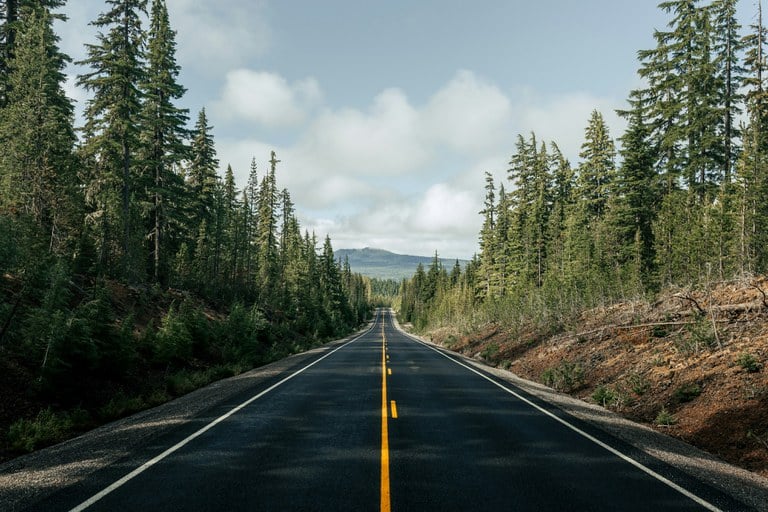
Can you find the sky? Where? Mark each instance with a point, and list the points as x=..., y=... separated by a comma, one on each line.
x=385, y=114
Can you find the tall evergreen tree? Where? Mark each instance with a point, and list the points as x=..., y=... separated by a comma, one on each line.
x=201, y=173
x=163, y=134
x=112, y=130
x=635, y=203
x=267, y=247
x=598, y=168
x=37, y=171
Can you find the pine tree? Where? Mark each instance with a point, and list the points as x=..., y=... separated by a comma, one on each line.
x=163, y=134
x=488, y=236
x=37, y=171
x=267, y=254
x=201, y=174
x=752, y=169
x=637, y=191
x=729, y=71
x=112, y=130
x=598, y=169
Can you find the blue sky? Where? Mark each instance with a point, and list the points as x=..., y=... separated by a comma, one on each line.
x=386, y=114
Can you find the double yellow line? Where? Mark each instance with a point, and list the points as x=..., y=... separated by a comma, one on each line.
x=385, y=495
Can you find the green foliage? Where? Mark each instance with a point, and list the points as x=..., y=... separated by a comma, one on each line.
x=568, y=376
x=665, y=418
x=490, y=351
x=604, y=395
x=749, y=362
x=121, y=405
x=243, y=335
x=173, y=342
x=47, y=428
x=686, y=392
x=638, y=383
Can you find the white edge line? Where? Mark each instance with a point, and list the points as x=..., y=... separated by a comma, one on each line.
x=576, y=429
x=133, y=474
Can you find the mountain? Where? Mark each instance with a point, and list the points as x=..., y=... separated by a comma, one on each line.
x=383, y=264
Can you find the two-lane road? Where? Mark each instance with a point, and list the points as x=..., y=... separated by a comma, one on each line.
x=386, y=422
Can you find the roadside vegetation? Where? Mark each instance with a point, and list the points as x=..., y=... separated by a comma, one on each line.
x=132, y=267
x=633, y=277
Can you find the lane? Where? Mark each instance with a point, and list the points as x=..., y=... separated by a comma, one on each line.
x=388, y=423
x=462, y=442
x=310, y=444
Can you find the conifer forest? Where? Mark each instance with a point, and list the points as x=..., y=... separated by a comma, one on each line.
x=679, y=199
x=131, y=269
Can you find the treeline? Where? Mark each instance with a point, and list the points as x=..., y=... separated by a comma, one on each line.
x=684, y=200
x=135, y=206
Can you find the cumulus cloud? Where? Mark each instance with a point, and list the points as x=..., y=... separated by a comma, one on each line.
x=266, y=98
x=216, y=36
x=384, y=139
x=468, y=114
x=564, y=118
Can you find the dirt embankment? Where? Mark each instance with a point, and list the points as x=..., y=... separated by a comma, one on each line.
x=694, y=364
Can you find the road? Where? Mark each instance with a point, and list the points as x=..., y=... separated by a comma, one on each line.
x=385, y=422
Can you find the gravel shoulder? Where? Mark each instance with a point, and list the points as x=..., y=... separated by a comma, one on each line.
x=31, y=478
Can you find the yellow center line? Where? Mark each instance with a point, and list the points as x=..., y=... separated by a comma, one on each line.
x=385, y=498
x=394, y=409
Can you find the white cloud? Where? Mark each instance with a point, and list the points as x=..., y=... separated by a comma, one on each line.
x=468, y=114
x=384, y=140
x=563, y=118
x=444, y=209
x=266, y=98
x=216, y=36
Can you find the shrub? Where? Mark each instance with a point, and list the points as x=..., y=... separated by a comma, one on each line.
x=46, y=429
x=686, y=392
x=638, y=383
x=604, y=395
x=490, y=351
x=121, y=405
x=173, y=341
x=749, y=363
x=567, y=376
x=665, y=418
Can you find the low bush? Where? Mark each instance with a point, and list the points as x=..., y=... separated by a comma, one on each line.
x=749, y=363
x=604, y=396
x=47, y=428
x=686, y=392
x=567, y=376
x=665, y=418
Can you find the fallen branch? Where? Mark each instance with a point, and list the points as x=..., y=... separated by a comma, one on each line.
x=765, y=298
x=692, y=301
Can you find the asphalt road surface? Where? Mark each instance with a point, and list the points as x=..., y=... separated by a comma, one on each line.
x=385, y=422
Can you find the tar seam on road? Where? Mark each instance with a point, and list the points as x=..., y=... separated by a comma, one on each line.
x=385, y=496
x=130, y=476
x=576, y=429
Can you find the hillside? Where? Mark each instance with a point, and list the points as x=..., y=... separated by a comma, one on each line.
x=692, y=364
x=381, y=264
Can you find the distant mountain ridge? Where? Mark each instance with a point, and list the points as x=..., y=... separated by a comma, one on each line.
x=383, y=264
